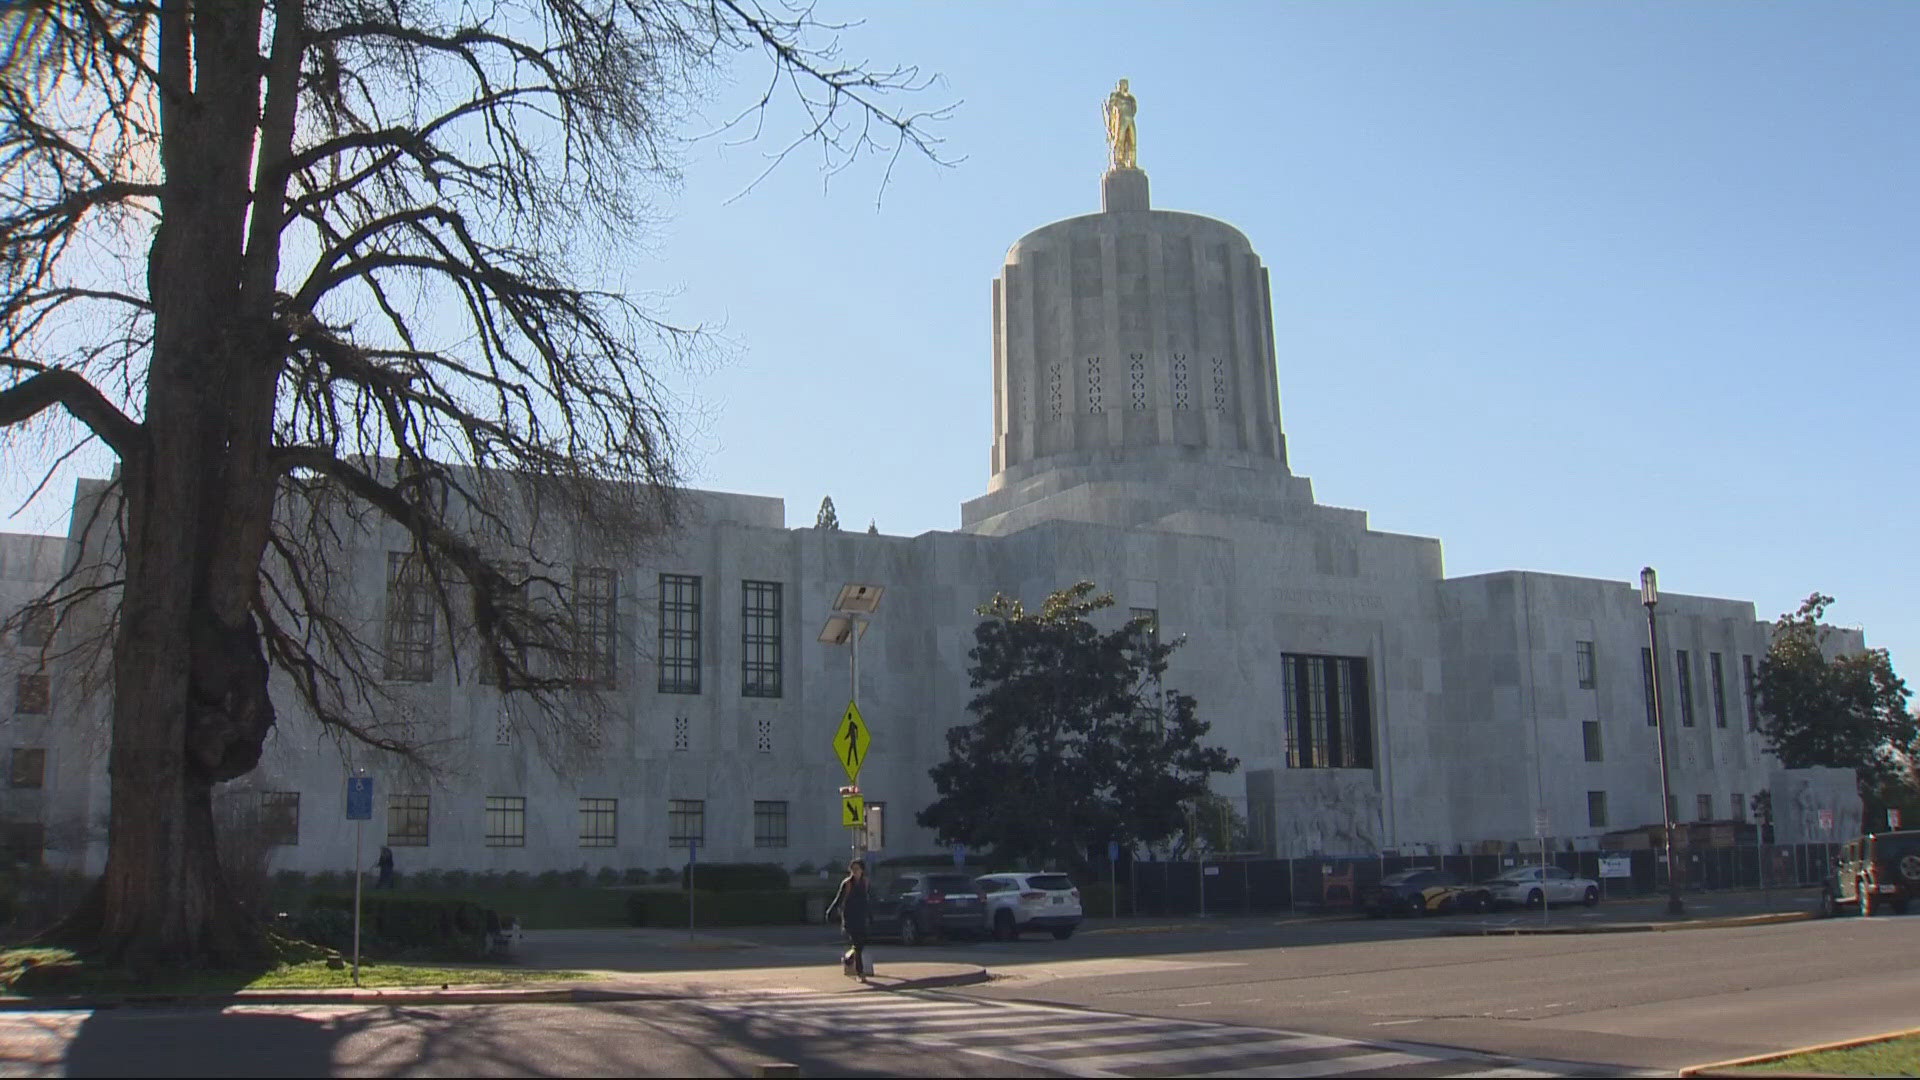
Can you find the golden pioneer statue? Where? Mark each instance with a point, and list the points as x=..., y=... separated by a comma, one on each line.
x=1123, y=140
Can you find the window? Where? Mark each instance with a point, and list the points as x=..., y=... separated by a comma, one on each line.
x=686, y=822
x=409, y=619
x=599, y=822
x=1646, y=677
x=769, y=824
x=280, y=817
x=1719, y=690
x=1673, y=808
x=1590, y=735
x=32, y=693
x=36, y=626
x=506, y=821
x=595, y=601
x=1596, y=809
x=28, y=769
x=1704, y=808
x=406, y=821
x=1149, y=635
x=679, y=634
x=1583, y=664
x=760, y=639
x=1746, y=672
x=1327, y=717
x=516, y=575
x=1737, y=802
x=1684, y=666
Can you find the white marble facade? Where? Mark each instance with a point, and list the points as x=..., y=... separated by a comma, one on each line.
x=1136, y=443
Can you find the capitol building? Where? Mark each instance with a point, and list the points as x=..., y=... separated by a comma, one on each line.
x=1137, y=442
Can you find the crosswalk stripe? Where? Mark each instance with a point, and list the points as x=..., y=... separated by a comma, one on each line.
x=1355, y=1063
x=1194, y=1053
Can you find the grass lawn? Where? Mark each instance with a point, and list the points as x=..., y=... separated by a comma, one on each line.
x=57, y=972
x=1892, y=1057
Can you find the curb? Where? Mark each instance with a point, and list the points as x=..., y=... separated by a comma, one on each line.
x=1724, y=1068
x=1635, y=928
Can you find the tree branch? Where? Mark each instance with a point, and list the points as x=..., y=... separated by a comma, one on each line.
x=58, y=386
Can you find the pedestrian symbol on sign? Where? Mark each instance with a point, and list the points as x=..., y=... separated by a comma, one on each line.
x=850, y=741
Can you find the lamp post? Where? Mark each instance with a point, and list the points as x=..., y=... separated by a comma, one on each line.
x=845, y=627
x=1650, y=596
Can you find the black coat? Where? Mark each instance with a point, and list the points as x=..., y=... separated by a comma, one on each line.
x=851, y=903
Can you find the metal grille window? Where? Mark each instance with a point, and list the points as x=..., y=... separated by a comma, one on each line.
x=36, y=626
x=506, y=821
x=599, y=822
x=1590, y=736
x=409, y=619
x=516, y=575
x=1746, y=672
x=769, y=824
x=1737, y=802
x=1327, y=713
x=686, y=822
x=1596, y=809
x=1705, y=808
x=1646, y=677
x=596, y=594
x=28, y=768
x=679, y=634
x=407, y=821
x=760, y=639
x=1719, y=687
x=280, y=818
x=1684, y=687
x=32, y=693
x=1583, y=664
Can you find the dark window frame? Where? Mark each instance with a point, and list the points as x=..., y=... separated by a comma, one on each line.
x=1718, y=684
x=599, y=822
x=770, y=821
x=1648, y=673
x=27, y=767
x=679, y=634
x=596, y=623
x=686, y=822
x=1590, y=741
x=32, y=693
x=1683, y=687
x=1596, y=809
x=404, y=812
x=410, y=629
x=762, y=617
x=506, y=821
x=1327, y=711
x=1584, y=665
x=1746, y=669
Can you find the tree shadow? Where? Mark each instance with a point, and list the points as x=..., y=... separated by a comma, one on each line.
x=205, y=1042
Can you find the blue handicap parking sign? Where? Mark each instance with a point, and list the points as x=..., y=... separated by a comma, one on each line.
x=359, y=798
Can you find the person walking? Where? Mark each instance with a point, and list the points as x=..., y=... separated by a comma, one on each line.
x=385, y=866
x=851, y=904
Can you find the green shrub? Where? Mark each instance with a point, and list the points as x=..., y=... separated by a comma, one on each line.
x=805, y=869
x=1096, y=900
x=732, y=877
x=287, y=881
x=329, y=881
x=425, y=880
x=606, y=878
x=414, y=927
x=549, y=879
x=487, y=879
x=514, y=879
x=666, y=875
x=328, y=926
x=634, y=875
x=455, y=880
x=744, y=907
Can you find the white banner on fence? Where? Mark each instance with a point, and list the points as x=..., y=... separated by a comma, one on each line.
x=1616, y=866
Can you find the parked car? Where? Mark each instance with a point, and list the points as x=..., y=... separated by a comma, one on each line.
x=1528, y=886
x=1423, y=890
x=1880, y=870
x=928, y=905
x=1017, y=903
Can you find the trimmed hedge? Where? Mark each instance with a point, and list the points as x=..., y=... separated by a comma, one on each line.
x=403, y=927
x=755, y=907
x=736, y=877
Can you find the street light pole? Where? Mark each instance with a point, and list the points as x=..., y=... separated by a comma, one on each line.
x=1650, y=596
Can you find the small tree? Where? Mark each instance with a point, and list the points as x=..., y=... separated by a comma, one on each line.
x=827, y=518
x=1845, y=712
x=1073, y=743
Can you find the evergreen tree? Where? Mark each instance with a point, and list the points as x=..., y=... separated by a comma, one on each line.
x=827, y=518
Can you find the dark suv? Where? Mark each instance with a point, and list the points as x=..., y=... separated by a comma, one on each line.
x=1875, y=872
x=931, y=905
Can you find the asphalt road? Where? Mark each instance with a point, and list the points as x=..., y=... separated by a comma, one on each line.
x=1230, y=996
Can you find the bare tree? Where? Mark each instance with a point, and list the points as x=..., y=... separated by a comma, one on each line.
x=302, y=261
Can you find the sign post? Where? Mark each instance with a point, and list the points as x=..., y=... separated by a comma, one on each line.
x=1113, y=877
x=851, y=738
x=359, y=811
x=1540, y=825
x=693, y=848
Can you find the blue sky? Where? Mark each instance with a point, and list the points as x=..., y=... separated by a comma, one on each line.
x=1572, y=287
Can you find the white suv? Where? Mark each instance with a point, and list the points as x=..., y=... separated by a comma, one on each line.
x=1021, y=902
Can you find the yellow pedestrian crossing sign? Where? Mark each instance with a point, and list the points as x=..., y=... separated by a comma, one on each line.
x=853, y=811
x=850, y=739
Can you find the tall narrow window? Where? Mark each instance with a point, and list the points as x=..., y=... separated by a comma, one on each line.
x=1583, y=664
x=1326, y=712
x=760, y=621
x=32, y=693
x=1746, y=673
x=686, y=822
x=1705, y=808
x=1683, y=687
x=1646, y=678
x=679, y=634
x=1590, y=736
x=407, y=820
x=280, y=818
x=1719, y=687
x=596, y=594
x=1737, y=802
x=506, y=821
x=1596, y=809
x=516, y=575
x=409, y=619
x=28, y=768
x=1673, y=808
x=36, y=626
x=599, y=822
x=769, y=824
